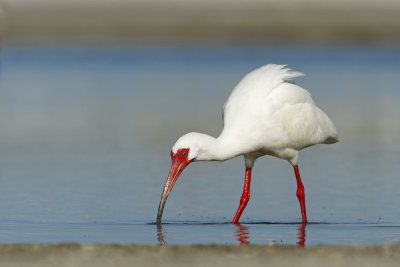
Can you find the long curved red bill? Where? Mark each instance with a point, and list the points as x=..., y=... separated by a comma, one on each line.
x=179, y=162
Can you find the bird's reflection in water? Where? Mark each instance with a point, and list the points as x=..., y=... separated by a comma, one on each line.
x=160, y=235
x=301, y=235
x=242, y=234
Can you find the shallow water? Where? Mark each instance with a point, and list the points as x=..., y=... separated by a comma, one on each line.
x=86, y=134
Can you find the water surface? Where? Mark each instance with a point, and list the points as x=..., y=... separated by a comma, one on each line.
x=86, y=133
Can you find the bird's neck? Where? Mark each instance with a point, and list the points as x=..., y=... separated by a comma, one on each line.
x=218, y=149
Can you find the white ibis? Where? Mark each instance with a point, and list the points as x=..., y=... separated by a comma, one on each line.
x=266, y=114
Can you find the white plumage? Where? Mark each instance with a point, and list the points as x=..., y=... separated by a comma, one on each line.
x=266, y=114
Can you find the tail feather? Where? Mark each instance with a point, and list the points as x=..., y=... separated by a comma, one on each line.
x=272, y=75
x=331, y=140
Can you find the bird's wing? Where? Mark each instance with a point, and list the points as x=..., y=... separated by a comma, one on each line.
x=267, y=105
x=295, y=112
x=255, y=86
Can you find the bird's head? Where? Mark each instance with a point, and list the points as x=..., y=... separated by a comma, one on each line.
x=187, y=149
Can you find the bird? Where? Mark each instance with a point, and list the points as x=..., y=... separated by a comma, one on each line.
x=267, y=113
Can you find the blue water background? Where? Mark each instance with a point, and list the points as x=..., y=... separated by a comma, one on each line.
x=86, y=133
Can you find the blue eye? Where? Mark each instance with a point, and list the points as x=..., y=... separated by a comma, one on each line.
x=184, y=154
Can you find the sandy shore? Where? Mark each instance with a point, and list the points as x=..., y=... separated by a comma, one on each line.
x=192, y=255
x=212, y=22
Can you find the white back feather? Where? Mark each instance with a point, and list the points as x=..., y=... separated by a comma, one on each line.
x=267, y=77
x=258, y=84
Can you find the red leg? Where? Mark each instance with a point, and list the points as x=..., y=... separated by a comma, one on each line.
x=300, y=194
x=245, y=196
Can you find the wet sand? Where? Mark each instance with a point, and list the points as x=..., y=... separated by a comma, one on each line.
x=195, y=255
